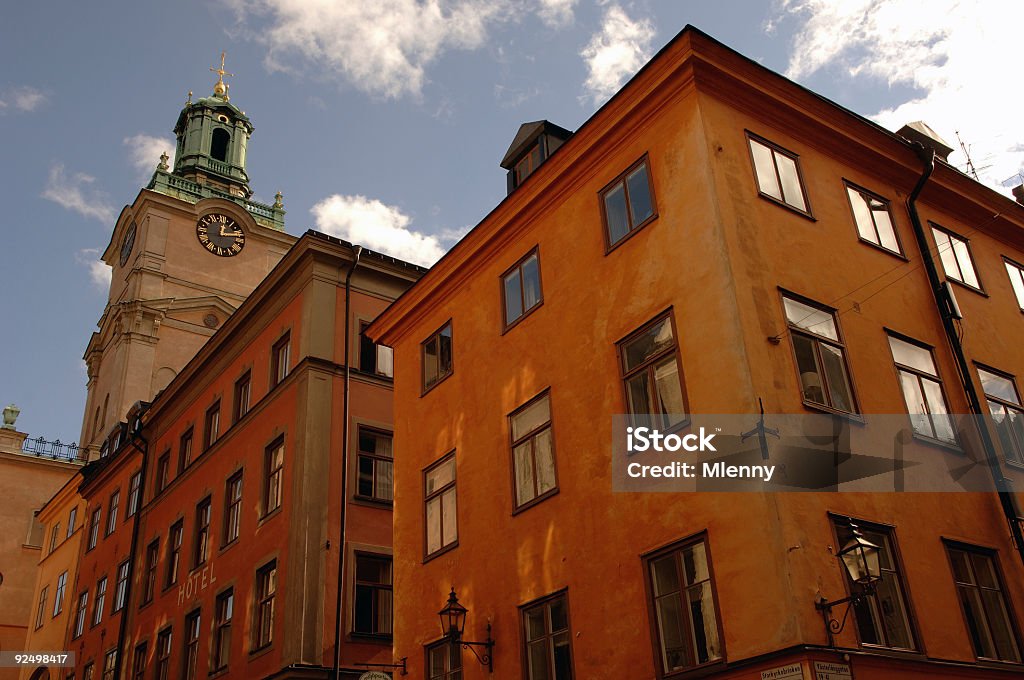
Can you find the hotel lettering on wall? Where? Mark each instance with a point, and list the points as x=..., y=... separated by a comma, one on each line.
x=197, y=582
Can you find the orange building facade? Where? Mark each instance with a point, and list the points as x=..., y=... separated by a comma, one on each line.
x=236, y=537
x=714, y=236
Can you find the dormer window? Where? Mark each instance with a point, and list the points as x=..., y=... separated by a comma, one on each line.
x=219, y=144
x=533, y=144
x=527, y=165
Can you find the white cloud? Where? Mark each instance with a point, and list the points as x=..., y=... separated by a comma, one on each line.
x=386, y=47
x=144, y=152
x=76, y=193
x=556, y=13
x=23, y=98
x=616, y=52
x=381, y=47
x=959, y=57
x=99, y=271
x=374, y=225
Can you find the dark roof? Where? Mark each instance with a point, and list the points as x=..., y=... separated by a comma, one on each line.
x=372, y=254
x=527, y=134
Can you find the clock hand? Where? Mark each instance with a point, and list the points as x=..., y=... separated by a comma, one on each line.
x=229, y=233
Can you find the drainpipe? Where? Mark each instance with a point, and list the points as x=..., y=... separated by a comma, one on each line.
x=1006, y=498
x=135, y=432
x=357, y=252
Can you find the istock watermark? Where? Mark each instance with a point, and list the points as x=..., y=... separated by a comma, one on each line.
x=810, y=452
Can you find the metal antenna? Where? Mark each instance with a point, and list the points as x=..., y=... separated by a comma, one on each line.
x=970, y=165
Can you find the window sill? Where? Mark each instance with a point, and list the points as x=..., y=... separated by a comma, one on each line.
x=967, y=286
x=260, y=651
x=437, y=382
x=369, y=501
x=373, y=638
x=952, y=447
x=609, y=247
x=535, y=501
x=792, y=208
x=269, y=516
x=224, y=548
x=441, y=551
x=710, y=668
x=519, y=319
x=882, y=249
x=218, y=672
x=845, y=415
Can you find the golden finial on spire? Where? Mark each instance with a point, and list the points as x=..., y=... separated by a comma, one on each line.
x=219, y=88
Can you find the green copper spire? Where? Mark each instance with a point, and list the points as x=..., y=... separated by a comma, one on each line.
x=212, y=135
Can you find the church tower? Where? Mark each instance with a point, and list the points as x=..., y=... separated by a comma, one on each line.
x=183, y=257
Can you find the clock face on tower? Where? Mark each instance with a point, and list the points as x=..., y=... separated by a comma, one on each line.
x=127, y=244
x=220, y=234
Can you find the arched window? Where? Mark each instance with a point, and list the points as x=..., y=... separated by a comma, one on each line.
x=219, y=144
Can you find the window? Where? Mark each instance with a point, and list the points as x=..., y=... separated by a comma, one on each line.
x=134, y=489
x=444, y=661
x=101, y=597
x=41, y=608
x=882, y=617
x=54, y=536
x=374, y=358
x=36, y=531
x=201, y=542
x=533, y=451
x=529, y=162
x=437, y=356
x=279, y=357
x=87, y=672
x=683, y=606
x=109, y=663
x=191, y=660
x=225, y=610
x=1016, y=273
x=163, y=655
x=627, y=203
x=94, y=527
x=651, y=376
x=1007, y=413
x=820, y=357
x=778, y=174
x=520, y=286
x=440, y=507
x=121, y=586
x=72, y=521
x=219, y=144
x=546, y=635
x=922, y=390
x=174, y=539
x=874, y=219
x=232, y=507
x=185, y=451
x=984, y=603
x=80, y=613
x=163, y=471
x=58, y=596
x=273, y=476
x=149, y=576
x=212, y=429
x=266, y=588
x=375, y=465
x=139, y=662
x=243, y=393
x=373, y=595
x=115, y=501
x=956, y=257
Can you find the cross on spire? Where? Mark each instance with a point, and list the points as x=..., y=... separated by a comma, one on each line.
x=219, y=88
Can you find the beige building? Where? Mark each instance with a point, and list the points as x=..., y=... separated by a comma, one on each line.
x=32, y=470
x=53, y=602
x=183, y=255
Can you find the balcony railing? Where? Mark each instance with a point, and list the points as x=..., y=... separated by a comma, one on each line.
x=55, y=450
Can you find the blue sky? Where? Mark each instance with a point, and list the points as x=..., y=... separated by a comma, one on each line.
x=384, y=122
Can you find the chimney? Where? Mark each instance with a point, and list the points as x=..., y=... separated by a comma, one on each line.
x=1018, y=193
x=919, y=131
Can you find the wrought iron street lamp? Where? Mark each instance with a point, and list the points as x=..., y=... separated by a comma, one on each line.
x=453, y=624
x=860, y=558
